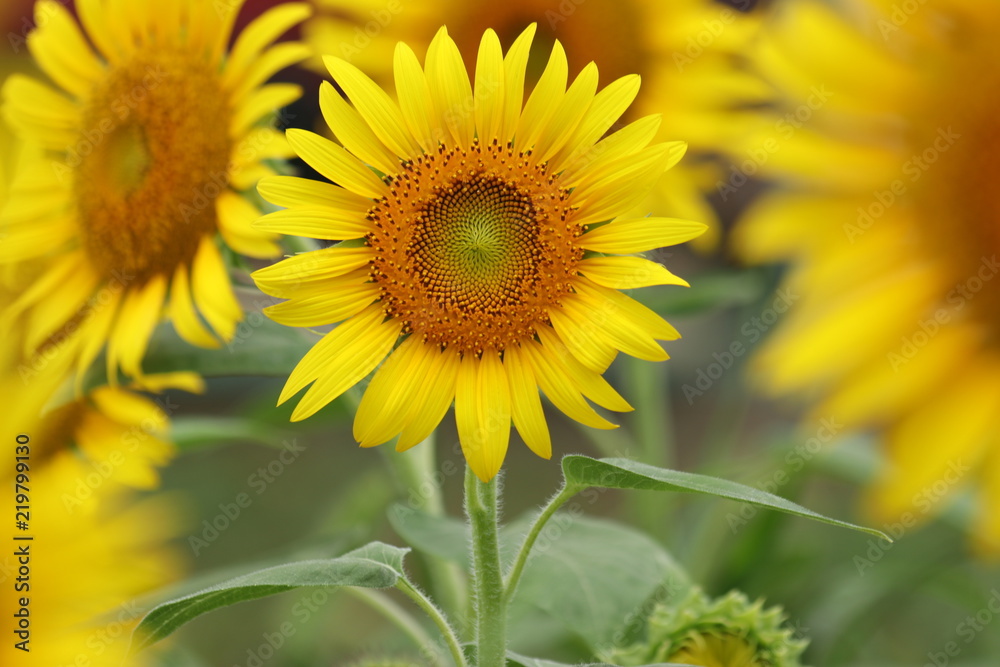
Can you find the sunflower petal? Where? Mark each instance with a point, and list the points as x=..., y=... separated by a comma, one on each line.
x=628, y=272
x=626, y=237
x=289, y=276
x=183, y=314
x=375, y=106
x=560, y=388
x=450, y=88
x=353, y=132
x=566, y=118
x=415, y=102
x=526, y=405
x=315, y=224
x=324, y=308
x=342, y=359
x=384, y=409
x=335, y=163
x=213, y=293
x=544, y=99
x=489, y=95
x=515, y=65
x=482, y=413
x=430, y=407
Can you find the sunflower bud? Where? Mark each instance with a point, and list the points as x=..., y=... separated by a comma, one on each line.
x=725, y=632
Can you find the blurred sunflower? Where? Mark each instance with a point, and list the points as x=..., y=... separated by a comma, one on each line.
x=479, y=247
x=684, y=51
x=885, y=210
x=95, y=545
x=149, y=133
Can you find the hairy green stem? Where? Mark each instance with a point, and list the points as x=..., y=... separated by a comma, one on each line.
x=557, y=501
x=491, y=604
x=436, y=615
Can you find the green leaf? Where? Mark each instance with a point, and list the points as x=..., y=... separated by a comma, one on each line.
x=375, y=565
x=595, y=575
x=525, y=661
x=618, y=473
x=383, y=554
x=604, y=572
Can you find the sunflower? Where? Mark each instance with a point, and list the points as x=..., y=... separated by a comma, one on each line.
x=684, y=51
x=472, y=229
x=94, y=544
x=150, y=130
x=884, y=209
x=729, y=631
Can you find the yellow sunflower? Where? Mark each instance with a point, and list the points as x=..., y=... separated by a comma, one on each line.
x=472, y=231
x=885, y=211
x=150, y=131
x=91, y=544
x=684, y=51
x=94, y=546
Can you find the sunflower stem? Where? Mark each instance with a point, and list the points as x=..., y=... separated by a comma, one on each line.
x=491, y=604
x=436, y=615
x=514, y=577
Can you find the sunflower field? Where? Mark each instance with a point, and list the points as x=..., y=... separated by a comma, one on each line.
x=537, y=333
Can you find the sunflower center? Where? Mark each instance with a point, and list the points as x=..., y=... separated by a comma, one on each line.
x=58, y=427
x=149, y=163
x=473, y=246
x=957, y=158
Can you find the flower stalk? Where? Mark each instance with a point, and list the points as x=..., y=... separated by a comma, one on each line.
x=491, y=603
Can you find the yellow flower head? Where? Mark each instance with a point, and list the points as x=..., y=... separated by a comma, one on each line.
x=888, y=216
x=682, y=49
x=95, y=546
x=476, y=228
x=149, y=135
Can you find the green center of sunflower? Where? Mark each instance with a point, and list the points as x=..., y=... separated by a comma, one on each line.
x=473, y=246
x=477, y=244
x=149, y=163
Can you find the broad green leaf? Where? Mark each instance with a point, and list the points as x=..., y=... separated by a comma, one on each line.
x=619, y=473
x=604, y=572
x=383, y=554
x=375, y=565
x=595, y=576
